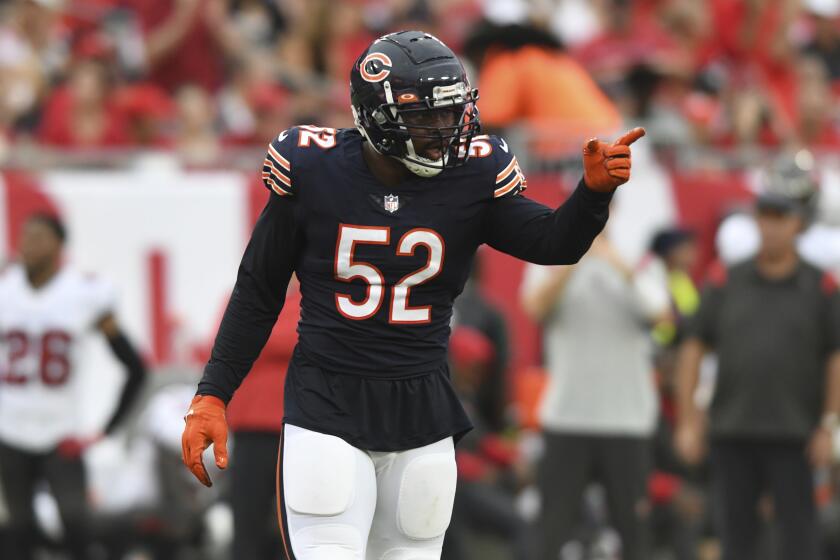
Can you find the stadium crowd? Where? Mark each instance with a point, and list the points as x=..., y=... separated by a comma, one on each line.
x=196, y=76
x=717, y=84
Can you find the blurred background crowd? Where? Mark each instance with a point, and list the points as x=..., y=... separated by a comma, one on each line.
x=199, y=76
x=142, y=125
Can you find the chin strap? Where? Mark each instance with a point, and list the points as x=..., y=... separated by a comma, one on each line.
x=421, y=170
x=424, y=167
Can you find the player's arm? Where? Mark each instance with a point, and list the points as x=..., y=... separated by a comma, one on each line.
x=688, y=435
x=256, y=301
x=135, y=369
x=701, y=338
x=535, y=233
x=820, y=447
x=262, y=280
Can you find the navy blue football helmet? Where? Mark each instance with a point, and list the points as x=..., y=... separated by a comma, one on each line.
x=409, y=88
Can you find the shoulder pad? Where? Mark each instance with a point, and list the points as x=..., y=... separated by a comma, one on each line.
x=509, y=179
x=277, y=166
x=284, y=154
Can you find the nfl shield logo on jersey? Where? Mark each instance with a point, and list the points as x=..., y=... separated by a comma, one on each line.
x=391, y=203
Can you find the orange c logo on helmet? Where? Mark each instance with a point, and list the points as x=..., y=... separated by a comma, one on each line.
x=375, y=67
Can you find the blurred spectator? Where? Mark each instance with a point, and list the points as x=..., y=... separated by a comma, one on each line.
x=252, y=107
x=490, y=469
x=196, y=140
x=31, y=53
x=257, y=22
x=187, y=41
x=264, y=112
x=818, y=120
x=677, y=496
x=774, y=322
x=819, y=243
x=526, y=77
x=473, y=310
x=631, y=37
x=145, y=109
x=825, y=43
x=678, y=251
x=599, y=410
x=271, y=114
x=83, y=112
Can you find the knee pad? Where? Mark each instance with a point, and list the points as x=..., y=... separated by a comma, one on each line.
x=427, y=493
x=319, y=473
x=328, y=542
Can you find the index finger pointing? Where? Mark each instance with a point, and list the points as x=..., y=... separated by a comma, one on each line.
x=630, y=137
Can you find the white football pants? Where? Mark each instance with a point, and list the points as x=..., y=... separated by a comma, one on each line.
x=337, y=502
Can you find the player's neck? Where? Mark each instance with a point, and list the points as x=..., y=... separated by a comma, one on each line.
x=387, y=170
x=40, y=276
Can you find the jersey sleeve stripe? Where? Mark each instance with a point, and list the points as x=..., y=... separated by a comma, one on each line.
x=274, y=186
x=514, y=175
x=506, y=171
x=276, y=173
x=276, y=177
x=278, y=159
x=509, y=187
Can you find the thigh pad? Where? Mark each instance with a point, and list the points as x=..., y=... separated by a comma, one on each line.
x=427, y=493
x=319, y=473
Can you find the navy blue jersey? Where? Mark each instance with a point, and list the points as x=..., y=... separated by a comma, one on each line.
x=379, y=269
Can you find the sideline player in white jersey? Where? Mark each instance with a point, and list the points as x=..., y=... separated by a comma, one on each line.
x=46, y=309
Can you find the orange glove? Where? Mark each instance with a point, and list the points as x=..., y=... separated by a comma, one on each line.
x=205, y=425
x=606, y=166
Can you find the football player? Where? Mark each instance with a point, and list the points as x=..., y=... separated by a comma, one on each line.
x=381, y=223
x=46, y=309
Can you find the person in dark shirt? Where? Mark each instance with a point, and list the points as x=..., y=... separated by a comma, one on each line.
x=380, y=224
x=774, y=322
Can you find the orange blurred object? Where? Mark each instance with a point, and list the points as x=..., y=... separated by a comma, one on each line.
x=549, y=92
x=528, y=387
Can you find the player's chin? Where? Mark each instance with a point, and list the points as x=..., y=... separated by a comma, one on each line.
x=428, y=148
x=434, y=154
